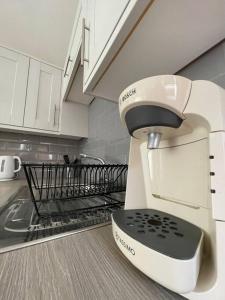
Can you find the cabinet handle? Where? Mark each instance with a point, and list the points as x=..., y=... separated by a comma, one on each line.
x=84, y=27
x=67, y=64
x=55, y=109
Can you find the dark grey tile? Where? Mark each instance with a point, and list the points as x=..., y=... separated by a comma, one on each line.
x=28, y=156
x=2, y=145
x=35, y=148
x=40, y=147
x=220, y=80
x=18, y=146
x=206, y=67
x=108, y=138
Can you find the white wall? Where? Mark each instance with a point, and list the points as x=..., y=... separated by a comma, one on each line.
x=40, y=28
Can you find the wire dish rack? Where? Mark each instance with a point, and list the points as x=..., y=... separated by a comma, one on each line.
x=65, y=189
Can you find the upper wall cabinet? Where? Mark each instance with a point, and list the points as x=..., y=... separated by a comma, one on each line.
x=101, y=20
x=167, y=37
x=107, y=25
x=13, y=82
x=73, y=56
x=30, y=98
x=100, y=28
x=123, y=41
x=43, y=97
x=74, y=120
x=72, y=84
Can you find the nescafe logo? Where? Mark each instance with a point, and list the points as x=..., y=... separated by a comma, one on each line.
x=124, y=244
x=129, y=94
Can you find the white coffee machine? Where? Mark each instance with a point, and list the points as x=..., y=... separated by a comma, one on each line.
x=173, y=225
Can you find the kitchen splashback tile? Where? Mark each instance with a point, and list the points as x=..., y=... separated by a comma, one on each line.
x=5, y=152
x=34, y=148
x=27, y=156
x=16, y=146
x=40, y=147
x=2, y=145
x=107, y=136
x=58, y=148
x=49, y=157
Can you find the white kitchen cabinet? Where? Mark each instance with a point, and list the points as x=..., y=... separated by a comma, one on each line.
x=100, y=29
x=73, y=56
x=43, y=97
x=74, y=120
x=76, y=93
x=107, y=26
x=72, y=85
x=164, y=41
x=101, y=19
x=13, y=82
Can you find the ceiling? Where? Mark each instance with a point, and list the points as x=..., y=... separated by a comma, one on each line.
x=40, y=28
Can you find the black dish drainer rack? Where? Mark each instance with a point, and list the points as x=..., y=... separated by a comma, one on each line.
x=68, y=189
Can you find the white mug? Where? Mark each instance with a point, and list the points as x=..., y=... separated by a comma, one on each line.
x=7, y=167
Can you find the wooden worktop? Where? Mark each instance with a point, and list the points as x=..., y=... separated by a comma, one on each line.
x=86, y=265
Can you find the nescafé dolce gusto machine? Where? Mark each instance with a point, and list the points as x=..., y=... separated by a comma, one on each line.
x=173, y=224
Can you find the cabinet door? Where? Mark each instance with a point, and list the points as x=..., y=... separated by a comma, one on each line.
x=43, y=97
x=101, y=18
x=13, y=83
x=73, y=55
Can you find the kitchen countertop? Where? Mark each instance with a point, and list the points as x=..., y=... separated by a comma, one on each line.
x=86, y=265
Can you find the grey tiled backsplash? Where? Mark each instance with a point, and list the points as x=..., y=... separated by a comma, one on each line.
x=108, y=138
x=34, y=148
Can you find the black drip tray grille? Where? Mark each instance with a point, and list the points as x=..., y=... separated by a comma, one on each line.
x=160, y=231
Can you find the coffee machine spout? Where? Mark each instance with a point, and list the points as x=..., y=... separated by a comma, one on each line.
x=154, y=140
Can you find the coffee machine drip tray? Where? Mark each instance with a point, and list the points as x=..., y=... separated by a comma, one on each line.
x=160, y=231
x=172, y=245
